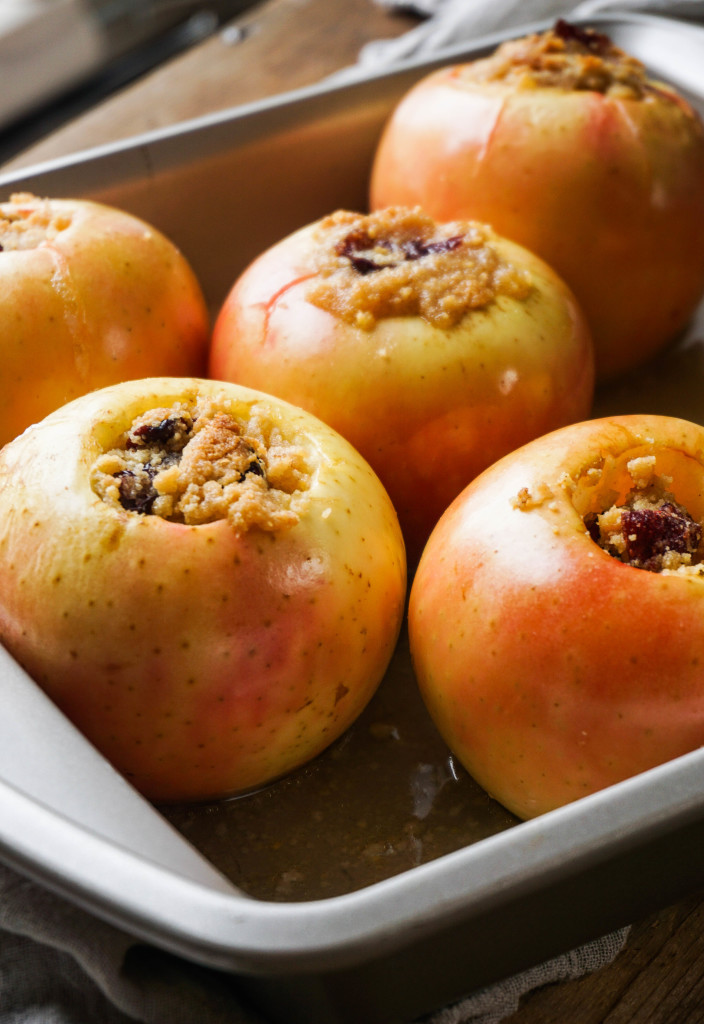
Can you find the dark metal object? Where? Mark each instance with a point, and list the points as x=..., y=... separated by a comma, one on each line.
x=136, y=36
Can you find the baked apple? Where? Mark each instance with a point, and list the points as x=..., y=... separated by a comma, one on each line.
x=562, y=143
x=89, y=296
x=433, y=348
x=206, y=580
x=557, y=616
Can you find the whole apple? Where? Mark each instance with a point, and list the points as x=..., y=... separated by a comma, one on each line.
x=208, y=581
x=562, y=143
x=557, y=616
x=89, y=296
x=433, y=348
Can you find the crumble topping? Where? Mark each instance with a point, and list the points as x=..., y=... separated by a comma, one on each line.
x=566, y=57
x=650, y=530
x=26, y=222
x=527, y=499
x=400, y=262
x=199, y=463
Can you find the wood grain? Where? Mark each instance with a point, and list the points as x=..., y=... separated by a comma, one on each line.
x=275, y=46
x=658, y=978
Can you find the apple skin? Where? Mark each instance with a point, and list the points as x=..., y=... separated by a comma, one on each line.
x=201, y=661
x=107, y=299
x=428, y=408
x=609, y=191
x=550, y=668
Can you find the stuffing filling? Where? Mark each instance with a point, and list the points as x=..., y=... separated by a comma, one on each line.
x=399, y=262
x=567, y=57
x=26, y=222
x=650, y=530
x=196, y=464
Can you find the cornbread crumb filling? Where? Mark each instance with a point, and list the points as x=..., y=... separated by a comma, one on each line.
x=199, y=463
x=399, y=262
x=650, y=529
x=564, y=57
x=26, y=222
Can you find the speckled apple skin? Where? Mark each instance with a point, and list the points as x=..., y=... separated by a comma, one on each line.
x=552, y=669
x=109, y=299
x=610, y=192
x=199, y=661
x=428, y=408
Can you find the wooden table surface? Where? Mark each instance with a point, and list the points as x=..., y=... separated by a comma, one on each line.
x=280, y=44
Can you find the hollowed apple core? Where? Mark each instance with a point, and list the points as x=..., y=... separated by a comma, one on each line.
x=645, y=507
x=196, y=463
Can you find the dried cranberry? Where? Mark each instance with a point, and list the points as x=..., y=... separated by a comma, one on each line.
x=416, y=249
x=137, y=494
x=254, y=467
x=358, y=247
x=157, y=433
x=352, y=245
x=591, y=521
x=596, y=42
x=651, y=533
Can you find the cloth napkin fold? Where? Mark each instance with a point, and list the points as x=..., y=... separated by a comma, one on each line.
x=453, y=22
x=60, y=965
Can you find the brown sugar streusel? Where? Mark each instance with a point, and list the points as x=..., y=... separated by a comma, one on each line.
x=399, y=262
x=26, y=222
x=650, y=529
x=565, y=57
x=199, y=463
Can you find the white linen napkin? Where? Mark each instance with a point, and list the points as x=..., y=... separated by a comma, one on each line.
x=60, y=965
x=497, y=1002
x=453, y=22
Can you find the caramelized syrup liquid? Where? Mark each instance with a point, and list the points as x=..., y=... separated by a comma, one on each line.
x=384, y=798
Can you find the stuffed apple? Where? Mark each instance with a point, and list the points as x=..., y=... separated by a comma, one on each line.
x=89, y=296
x=206, y=580
x=433, y=348
x=563, y=143
x=557, y=616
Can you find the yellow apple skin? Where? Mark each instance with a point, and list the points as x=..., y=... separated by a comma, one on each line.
x=428, y=408
x=201, y=661
x=609, y=191
x=107, y=299
x=552, y=669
